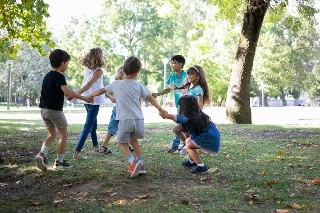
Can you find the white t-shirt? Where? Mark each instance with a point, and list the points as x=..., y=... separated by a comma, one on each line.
x=129, y=93
x=98, y=84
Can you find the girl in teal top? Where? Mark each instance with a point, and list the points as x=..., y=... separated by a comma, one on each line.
x=197, y=87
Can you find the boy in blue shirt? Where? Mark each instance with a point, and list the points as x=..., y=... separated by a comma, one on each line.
x=175, y=81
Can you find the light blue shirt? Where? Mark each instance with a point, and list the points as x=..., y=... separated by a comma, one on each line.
x=195, y=91
x=177, y=81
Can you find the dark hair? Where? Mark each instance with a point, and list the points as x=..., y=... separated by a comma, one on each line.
x=202, y=81
x=190, y=108
x=131, y=65
x=58, y=56
x=179, y=58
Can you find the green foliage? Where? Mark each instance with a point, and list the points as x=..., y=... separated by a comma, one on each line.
x=23, y=21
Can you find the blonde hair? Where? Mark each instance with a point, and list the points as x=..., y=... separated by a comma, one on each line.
x=119, y=74
x=94, y=59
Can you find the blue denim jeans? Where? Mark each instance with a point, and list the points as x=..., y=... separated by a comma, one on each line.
x=90, y=126
x=175, y=142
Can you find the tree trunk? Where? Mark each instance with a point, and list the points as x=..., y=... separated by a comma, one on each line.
x=238, y=98
x=283, y=97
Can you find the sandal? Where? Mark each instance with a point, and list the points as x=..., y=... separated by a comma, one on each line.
x=105, y=150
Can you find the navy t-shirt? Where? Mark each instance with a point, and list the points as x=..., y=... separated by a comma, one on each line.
x=52, y=96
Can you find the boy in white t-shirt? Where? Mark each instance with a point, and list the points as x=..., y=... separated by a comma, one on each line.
x=129, y=93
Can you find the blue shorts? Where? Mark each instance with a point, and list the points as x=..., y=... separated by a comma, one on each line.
x=113, y=123
x=209, y=140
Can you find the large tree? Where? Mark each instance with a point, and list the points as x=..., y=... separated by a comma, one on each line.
x=238, y=98
x=24, y=21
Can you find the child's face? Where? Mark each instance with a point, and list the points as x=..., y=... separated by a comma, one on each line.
x=193, y=77
x=175, y=66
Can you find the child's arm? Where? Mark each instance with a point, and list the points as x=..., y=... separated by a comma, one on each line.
x=96, y=75
x=154, y=102
x=111, y=97
x=97, y=93
x=71, y=94
x=163, y=92
x=166, y=115
x=200, y=101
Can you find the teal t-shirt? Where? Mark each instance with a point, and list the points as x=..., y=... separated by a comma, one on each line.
x=177, y=81
x=195, y=91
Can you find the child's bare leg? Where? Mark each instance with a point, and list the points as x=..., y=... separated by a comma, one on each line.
x=178, y=131
x=62, y=143
x=107, y=139
x=52, y=134
x=124, y=149
x=191, y=149
x=137, y=150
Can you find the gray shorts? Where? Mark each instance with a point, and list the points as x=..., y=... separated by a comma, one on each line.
x=130, y=129
x=53, y=118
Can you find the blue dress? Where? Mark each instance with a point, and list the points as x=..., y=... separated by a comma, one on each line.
x=208, y=139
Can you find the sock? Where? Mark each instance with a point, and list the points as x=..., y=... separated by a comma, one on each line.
x=139, y=159
x=201, y=164
x=44, y=150
x=60, y=157
x=130, y=159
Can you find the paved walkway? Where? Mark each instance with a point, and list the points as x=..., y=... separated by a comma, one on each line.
x=293, y=116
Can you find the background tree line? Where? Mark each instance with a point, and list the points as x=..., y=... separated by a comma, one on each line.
x=286, y=55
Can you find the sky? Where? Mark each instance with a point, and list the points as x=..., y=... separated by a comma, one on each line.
x=61, y=12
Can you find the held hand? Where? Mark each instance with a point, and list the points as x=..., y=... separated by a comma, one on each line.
x=164, y=114
x=113, y=99
x=155, y=95
x=69, y=98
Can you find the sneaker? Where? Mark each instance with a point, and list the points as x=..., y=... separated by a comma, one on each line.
x=173, y=151
x=131, y=149
x=134, y=168
x=105, y=150
x=41, y=161
x=183, y=151
x=142, y=169
x=61, y=165
x=199, y=169
x=188, y=163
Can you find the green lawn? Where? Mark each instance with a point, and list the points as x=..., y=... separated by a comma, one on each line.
x=259, y=169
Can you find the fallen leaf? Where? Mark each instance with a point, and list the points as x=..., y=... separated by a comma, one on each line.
x=295, y=206
x=282, y=211
x=250, y=202
x=119, y=202
x=36, y=203
x=316, y=181
x=67, y=185
x=263, y=173
x=143, y=196
x=57, y=201
x=105, y=191
x=281, y=152
x=113, y=194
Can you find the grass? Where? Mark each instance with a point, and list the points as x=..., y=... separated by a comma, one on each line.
x=260, y=168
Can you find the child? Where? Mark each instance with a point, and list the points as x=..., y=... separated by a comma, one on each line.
x=128, y=111
x=54, y=88
x=203, y=133
x=93, y=80
x=197, y=86
x=175, y=81
x=113, y=123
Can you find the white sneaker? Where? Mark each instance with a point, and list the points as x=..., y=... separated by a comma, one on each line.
x=183, y=151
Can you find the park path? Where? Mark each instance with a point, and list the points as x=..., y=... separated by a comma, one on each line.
x=292, y=116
